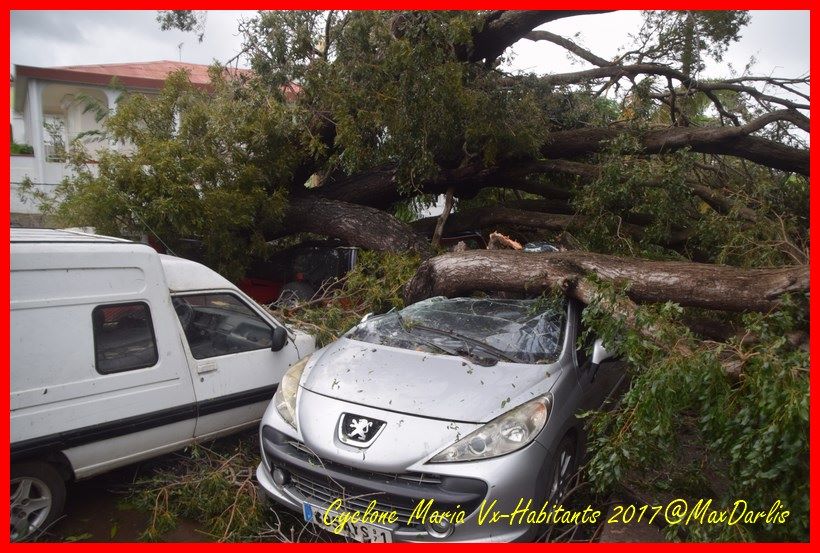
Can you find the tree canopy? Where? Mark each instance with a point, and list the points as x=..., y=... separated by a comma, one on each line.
x=349, y=124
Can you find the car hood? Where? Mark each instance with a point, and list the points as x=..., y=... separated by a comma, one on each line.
x=423, y=384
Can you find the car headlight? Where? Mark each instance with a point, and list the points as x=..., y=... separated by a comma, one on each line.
x=285, y=396
x=509, y=432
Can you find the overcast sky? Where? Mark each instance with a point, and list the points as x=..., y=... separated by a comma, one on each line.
x=778, y=39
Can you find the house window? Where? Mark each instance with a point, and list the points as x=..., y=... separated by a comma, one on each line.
x=123, y=337
x=221, y=324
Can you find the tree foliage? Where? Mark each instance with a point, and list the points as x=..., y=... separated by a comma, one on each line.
x=184, y=20
x=686, y=38
x=754, y=428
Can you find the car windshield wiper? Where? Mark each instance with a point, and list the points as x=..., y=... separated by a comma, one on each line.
x=408, y=329
x=486, y=347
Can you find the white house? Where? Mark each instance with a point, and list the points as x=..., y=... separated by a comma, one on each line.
x=49, y=107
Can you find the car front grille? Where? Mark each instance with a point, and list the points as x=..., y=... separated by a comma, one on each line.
x=320, y=493
x=323, y=490
x=419, y=477
x=321, y=482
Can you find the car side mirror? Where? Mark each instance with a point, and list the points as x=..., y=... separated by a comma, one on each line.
x=278, y=338
x=599, y=355
x=599, y=352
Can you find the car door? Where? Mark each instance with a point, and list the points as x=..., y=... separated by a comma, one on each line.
x=234, y=368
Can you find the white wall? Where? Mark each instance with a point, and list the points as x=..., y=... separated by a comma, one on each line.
x=18, y=127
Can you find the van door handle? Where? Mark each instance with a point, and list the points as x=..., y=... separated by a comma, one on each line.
x=206, y=367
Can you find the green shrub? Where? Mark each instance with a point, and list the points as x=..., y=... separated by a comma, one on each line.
x=21, y=149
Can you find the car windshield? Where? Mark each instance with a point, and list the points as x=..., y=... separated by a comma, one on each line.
x=522, y=331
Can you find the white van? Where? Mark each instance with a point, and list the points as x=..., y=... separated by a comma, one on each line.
x=119, y=354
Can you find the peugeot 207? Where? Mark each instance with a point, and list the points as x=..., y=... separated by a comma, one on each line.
x=416, y=423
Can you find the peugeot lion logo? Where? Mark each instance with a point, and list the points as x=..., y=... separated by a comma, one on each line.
x=358, y=431
x=360, y=428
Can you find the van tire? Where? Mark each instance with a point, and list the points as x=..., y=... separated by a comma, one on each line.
x=31, y=482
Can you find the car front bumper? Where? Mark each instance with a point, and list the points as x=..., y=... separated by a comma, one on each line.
x=497, y=485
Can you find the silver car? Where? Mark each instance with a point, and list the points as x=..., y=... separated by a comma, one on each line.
x=419, y=424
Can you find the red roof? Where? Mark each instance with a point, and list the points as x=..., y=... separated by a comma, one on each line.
x=145, y=75
x=148, y=75
x=154, y=70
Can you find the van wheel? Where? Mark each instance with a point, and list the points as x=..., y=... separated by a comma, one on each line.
x=37, y=498
x=563, y=469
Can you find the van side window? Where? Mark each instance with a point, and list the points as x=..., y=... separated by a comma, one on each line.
x=220, y=324
x=123, y=337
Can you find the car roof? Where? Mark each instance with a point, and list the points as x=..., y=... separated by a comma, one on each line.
x=39, y=235
x=183, y=275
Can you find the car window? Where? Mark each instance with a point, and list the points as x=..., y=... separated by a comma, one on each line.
x=526, y=331
x=123, y=337
x=220, y=324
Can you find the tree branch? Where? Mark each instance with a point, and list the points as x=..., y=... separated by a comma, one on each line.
x=503, y=29
x=486, y=217
x=733, y=141
x=567, y=44
x=442, y=219
x=631, y=71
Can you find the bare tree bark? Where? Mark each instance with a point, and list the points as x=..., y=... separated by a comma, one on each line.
x=688, y=284
x=355, y=225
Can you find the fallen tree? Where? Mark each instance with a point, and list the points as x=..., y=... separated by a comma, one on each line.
x=579, y=274
x=701, y=285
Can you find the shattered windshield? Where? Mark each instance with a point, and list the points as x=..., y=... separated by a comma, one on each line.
x=522, y=331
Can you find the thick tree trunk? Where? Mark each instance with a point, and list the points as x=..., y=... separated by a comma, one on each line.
x=504, y=28
x=356, y=225
x=378, y=188
x=689, y=284
x=708, y=140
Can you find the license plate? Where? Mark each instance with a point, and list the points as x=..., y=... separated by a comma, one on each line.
x=356, y=531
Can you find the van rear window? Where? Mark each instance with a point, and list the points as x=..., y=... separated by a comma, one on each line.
x=123, y=337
